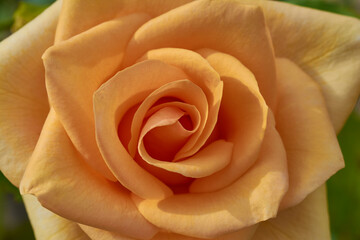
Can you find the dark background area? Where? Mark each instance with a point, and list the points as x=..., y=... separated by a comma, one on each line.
x=343, y=187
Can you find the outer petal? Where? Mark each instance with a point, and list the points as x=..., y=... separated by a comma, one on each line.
x=63, y=183
x=308, y=220
x=219, y=25
x=23, y=99
x=48, y=225
x=76, y=68
x=325, y=45
x=98, y=234
x=243, y=234
x=302, y=120
x=95, y=12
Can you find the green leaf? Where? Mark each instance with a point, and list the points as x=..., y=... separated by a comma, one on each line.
x=40, y=2
x=25, y=13
x=7, y=9
x=343, y=187
x=333, y=6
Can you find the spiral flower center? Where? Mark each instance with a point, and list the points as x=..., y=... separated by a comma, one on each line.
x=164, y=133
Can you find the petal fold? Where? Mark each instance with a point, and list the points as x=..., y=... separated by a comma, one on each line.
x=162, y=135
x=308, y=220
x=304, y=125
x=207, y=161
x=48, y=225
x=76, y=68
x=66, y=185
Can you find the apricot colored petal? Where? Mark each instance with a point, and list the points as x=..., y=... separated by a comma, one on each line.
x=304, y=125
x=184, y=90
x=126, y=89
x=203, y=75
x=220, y=25
x=242, y=119
x=252, y=198
x=98, y=234
x=308, y=220
x=207, y=161
x=66, y=185
x=243, y=234
x=325, y=45
x=162, y=135
x=75, y=69
x=78, y=16
x=48, y=225
x=189, y=109
x=23, y=100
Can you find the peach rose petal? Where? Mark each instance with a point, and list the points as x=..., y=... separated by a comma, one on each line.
x=162, y=135
x=252, y=198
x=97, y=11
x=48, y=225
x=111, y=102
x=124, y=134
x=75, y=69
x=164, y=148
x=192, y=114
x=62, y=182
x=203, y=75
x=98, y=234
x=302, y=120
x=243, y=234
x=207, y=161
x=328, y=50
x=190, y=110
x=308, y=220
x=178, y=182
x=185, y=92
x=23, y=100
x=242, y=119
x=196, y=25
x=165, y=132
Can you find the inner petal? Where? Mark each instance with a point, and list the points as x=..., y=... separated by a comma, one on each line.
x=162, y=137
x=190, y=121
x=242, y=119
x=202, y=74
x=163, y=134
x=206, y=162
x=172, y=179
x=111, y=103
x=185, y=91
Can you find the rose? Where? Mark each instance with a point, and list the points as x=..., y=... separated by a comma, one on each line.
x=252, y=140
x=73, y=184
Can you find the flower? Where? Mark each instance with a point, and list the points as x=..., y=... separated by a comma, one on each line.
x=177, y=119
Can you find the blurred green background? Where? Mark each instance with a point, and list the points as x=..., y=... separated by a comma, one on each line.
x=343, y=187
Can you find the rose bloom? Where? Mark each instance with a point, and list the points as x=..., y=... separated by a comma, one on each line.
x=154, y=119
